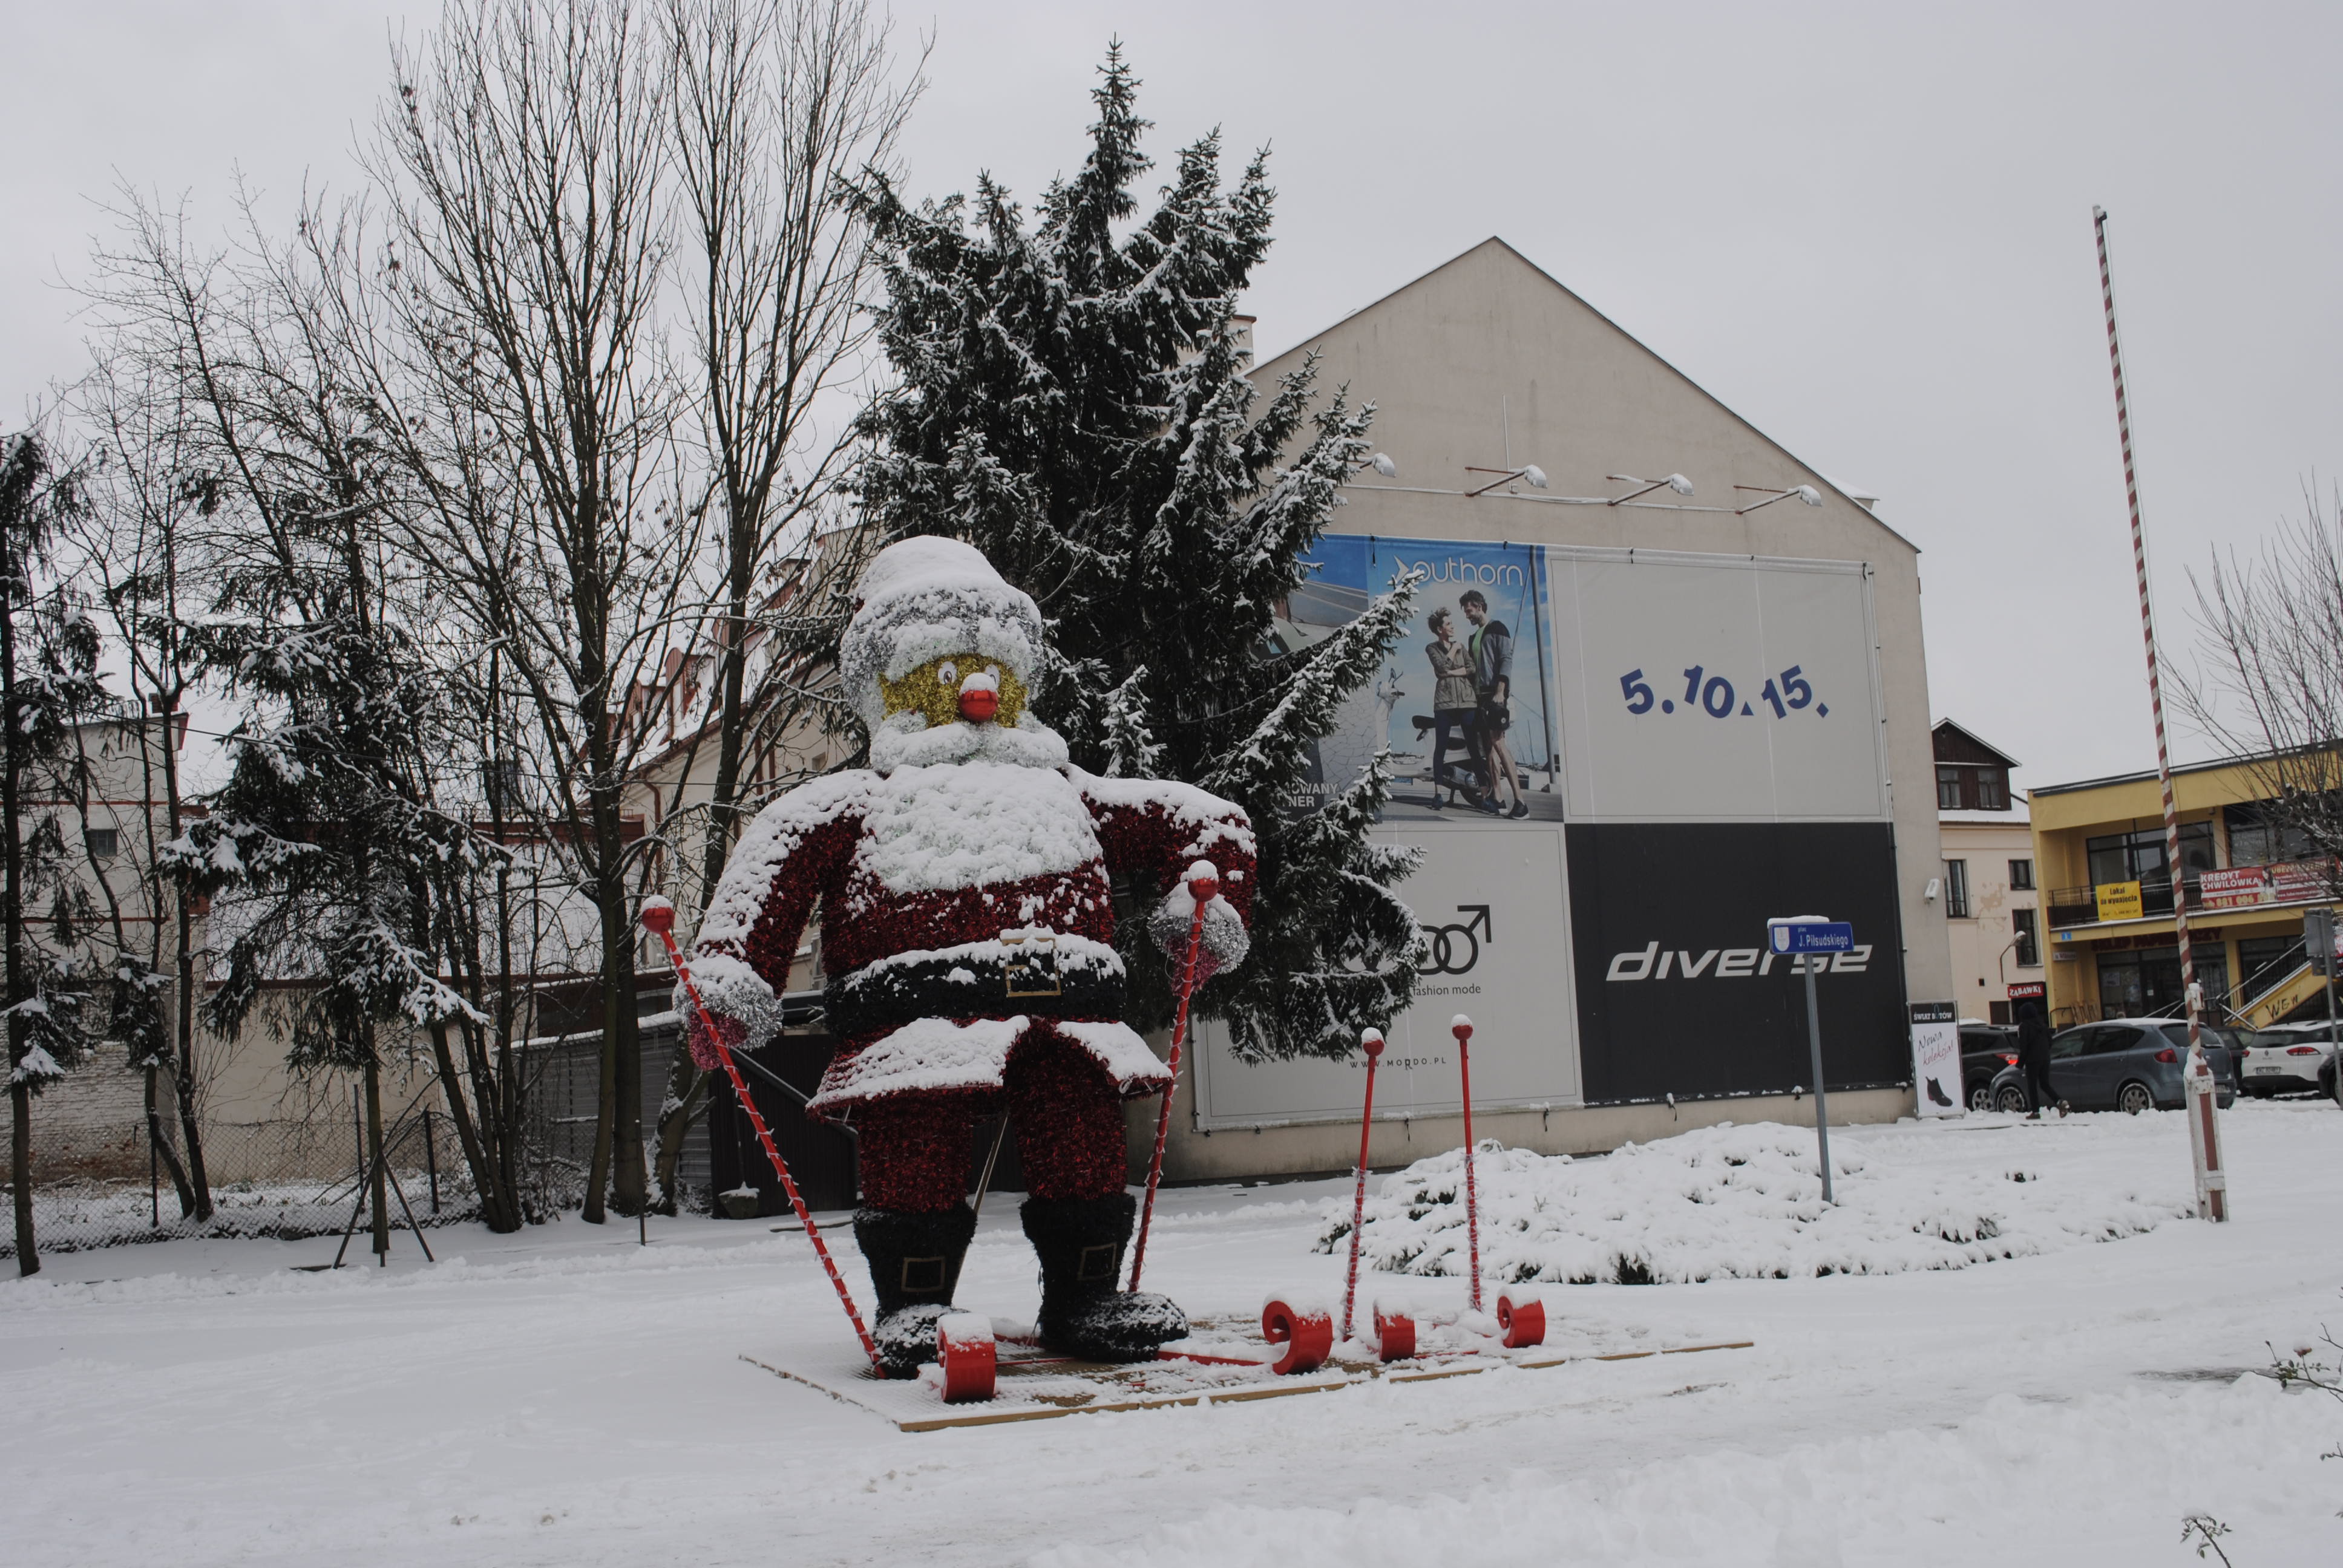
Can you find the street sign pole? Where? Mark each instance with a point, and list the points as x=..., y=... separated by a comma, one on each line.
x=1809, y=938
x=1822, y=1101
x=2318, y=948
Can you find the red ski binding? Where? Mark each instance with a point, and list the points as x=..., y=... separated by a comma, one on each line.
x=1520, y=1317
x=1306, y=1332
x=1394, y=1335
x=965, y=1345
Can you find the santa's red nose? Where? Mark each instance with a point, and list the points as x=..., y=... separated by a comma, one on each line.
x=978, y=705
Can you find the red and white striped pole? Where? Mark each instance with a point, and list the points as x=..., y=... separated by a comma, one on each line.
x=659, y=919
x=1371, y=1040
x=1462, y=1028
x=2204, y=1131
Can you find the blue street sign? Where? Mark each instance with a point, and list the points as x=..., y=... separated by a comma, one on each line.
x=1810, y=936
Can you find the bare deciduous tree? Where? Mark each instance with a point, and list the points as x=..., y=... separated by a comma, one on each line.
x=523, y=160
x=776, y=106
x=2272, y=690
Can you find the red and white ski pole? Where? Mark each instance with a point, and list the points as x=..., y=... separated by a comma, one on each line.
x=1462, y=1028
x=1371, y=1040
x=659, y=919
x=1203, y=883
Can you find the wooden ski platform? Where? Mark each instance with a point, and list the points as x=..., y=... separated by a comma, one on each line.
x=1035, y=1386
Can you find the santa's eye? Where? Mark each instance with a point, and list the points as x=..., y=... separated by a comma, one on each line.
x=948, y=671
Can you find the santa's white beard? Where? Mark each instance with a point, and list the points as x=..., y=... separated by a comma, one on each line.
x=907, y=740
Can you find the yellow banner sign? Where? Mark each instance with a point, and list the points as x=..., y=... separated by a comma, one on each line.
x=2118, y=900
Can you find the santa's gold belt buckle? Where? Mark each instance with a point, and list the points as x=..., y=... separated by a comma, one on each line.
x=1032, y=965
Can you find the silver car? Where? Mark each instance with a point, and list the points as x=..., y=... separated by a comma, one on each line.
x=2131, y=1064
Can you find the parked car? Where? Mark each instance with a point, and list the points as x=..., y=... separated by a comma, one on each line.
x=2288, y=1059
x=2130, y=1064
x=1985, y=1050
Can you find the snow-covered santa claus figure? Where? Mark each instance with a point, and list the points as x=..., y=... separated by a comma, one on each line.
x=967, y=938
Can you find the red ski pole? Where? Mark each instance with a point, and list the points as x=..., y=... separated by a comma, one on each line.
x=1462, y=1028
x=1371, y=1040
x=1204, y=882
x=659, y=919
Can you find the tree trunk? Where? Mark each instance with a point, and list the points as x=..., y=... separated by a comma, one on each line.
x=622, y=1057
x=163, y=1150
x=377, y=1189
x=12, y=767
x=497, y=1211
x=184, y=1024
x=687, y=1088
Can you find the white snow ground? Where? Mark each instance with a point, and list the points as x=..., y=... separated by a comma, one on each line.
x=565, y=1397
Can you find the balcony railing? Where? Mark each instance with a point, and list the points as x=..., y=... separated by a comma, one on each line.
x=2080, y=906
x=2230, y=888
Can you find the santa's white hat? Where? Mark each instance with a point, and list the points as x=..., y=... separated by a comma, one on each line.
x=920, y=599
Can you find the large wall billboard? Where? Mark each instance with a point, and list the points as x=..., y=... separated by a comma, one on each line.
x=1544, y=691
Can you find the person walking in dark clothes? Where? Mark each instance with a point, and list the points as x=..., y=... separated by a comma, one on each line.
x=2034, y=1058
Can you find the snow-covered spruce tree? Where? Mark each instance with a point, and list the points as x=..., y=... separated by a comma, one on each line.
x=48, y=681
x=1071, y=400
x=330, y=861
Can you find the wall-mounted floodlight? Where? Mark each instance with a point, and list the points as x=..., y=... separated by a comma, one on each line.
x=1530, y=471
x=1381, y=463
x=1805, y=493
x=1677, y=482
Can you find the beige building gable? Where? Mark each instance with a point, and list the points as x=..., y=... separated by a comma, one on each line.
x=1487, y=362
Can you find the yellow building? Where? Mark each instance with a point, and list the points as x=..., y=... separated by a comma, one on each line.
x=2108, y=895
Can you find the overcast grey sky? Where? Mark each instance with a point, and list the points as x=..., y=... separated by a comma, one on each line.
x=1864, y=227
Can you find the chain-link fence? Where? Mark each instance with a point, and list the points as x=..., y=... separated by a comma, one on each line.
x=98, y=1180
x=283, y=1177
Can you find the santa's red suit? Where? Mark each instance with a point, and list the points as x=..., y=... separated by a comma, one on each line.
x=967, y=938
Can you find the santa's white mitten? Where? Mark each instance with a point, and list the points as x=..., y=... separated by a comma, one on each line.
x=1224, y=941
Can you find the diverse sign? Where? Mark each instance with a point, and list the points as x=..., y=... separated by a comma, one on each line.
x=1937, y=1059
x=2028, y=990
x=1678, y=992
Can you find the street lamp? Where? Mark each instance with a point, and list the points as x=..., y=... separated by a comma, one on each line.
x=1530, y=471
x=1677, y=482
x=1805, y=493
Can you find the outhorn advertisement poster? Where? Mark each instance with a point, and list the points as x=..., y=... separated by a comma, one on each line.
x=1618, y=764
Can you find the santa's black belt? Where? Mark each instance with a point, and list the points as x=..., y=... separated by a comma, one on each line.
x=884, y=996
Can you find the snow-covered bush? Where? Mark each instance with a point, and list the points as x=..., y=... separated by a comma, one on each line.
x=1723, y=1202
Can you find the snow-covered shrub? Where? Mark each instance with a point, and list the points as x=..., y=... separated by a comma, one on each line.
x=1723, y=1202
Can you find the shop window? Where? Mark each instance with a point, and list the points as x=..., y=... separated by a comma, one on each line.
x=2145, y=982
x=2021, y=874
x=2027, y=947
x=1956, y=890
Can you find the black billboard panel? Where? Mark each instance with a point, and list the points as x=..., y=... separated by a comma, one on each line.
x=1677, y=993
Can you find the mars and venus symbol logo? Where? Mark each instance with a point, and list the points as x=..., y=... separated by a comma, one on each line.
x=1453, y=950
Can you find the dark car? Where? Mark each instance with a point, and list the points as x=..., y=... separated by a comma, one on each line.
x=1985, y=1050
x=2130, y=1064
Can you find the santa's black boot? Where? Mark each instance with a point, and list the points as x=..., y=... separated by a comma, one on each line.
x=914, y=1263
x=1081, y=1241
